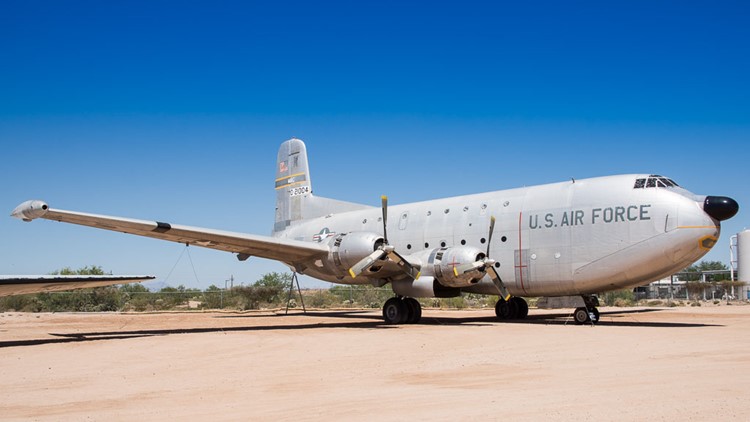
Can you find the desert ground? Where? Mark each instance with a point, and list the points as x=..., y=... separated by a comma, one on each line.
x=685, y=363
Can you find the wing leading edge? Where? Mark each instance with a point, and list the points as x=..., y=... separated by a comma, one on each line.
x=292, y=252
x=11, y=285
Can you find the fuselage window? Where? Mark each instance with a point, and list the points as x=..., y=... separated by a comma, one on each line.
x=639, y=183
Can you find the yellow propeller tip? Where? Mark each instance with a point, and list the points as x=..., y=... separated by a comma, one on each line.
x=351, y=273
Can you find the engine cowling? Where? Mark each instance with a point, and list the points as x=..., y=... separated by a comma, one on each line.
x=443, y=264
x=346, y=249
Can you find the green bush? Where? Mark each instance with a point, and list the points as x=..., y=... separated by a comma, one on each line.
x=624, y=297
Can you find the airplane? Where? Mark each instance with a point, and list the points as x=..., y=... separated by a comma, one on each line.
x=574, y=238
x=11, y=285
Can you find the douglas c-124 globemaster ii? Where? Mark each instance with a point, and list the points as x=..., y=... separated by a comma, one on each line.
x=579, y=238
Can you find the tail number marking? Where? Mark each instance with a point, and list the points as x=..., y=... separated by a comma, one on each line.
x=302, y=190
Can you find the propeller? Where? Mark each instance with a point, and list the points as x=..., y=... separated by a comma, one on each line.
x=488, y=263
x=384, y=250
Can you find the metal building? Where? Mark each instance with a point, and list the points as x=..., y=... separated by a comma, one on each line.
x=740, y=244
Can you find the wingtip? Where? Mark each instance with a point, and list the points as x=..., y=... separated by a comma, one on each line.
x=30, y=210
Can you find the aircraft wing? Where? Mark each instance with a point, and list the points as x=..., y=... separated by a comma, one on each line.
x=285, y=250
x=11, y=285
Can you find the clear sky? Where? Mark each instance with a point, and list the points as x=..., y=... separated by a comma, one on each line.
x=174, y=111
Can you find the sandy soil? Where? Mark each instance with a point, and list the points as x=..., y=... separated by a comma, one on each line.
x=638, y=364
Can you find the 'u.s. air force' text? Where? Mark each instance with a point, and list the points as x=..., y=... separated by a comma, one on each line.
x=594, y=216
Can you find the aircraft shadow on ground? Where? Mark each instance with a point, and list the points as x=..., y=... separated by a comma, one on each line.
x=365, y=320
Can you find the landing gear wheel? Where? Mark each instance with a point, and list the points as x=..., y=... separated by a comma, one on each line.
x=502, y=310
x=506, y=310
x=521, y=306
x=394, y=311
x=581, y=316
x=596, y=315
x=414, y=310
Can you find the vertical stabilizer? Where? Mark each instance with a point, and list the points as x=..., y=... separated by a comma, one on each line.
x=293, y=187
x=294, y=197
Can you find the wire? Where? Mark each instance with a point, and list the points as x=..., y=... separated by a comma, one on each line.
x=175, y=265
x=191, y=265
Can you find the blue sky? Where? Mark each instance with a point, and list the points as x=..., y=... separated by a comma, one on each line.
x=175, y=110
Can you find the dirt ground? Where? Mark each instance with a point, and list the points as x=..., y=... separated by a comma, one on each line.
x=690, y=363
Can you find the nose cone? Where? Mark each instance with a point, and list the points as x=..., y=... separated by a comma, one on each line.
x=720, y=207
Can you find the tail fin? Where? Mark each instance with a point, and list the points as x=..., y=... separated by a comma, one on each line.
x=294, y=197
x=293, y=186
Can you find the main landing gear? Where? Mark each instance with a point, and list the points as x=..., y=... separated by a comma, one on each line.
x=513, y=308
x=402, y=310
x=588, y=313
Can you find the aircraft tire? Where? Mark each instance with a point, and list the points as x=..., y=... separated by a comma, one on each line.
x=581, y=316
x=394, y=311
x=506, y=310
x=595, y=311
x=414, y=310
x=522, y=306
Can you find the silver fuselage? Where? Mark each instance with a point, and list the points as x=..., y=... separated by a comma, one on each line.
x=577, y=237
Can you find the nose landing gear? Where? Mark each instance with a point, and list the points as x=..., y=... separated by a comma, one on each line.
x=588, y=313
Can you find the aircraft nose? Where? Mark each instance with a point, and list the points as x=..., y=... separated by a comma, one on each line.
x=720, y=207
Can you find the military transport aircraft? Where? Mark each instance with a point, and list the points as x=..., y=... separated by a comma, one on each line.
x=575, y=238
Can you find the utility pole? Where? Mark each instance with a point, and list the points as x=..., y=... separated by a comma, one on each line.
x=221, y=297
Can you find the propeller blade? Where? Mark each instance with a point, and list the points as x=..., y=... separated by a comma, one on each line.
x=366, y=263
x=491, y=265
x=384, y=204
x=405, y=266
x=465, y=268
x=492, y=230
x=499, y=283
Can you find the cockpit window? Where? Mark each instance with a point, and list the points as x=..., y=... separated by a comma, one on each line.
x=655, y=181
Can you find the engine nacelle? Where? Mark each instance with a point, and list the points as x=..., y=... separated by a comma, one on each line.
x=443, y=264
x=426, y=286
x=346, y=249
